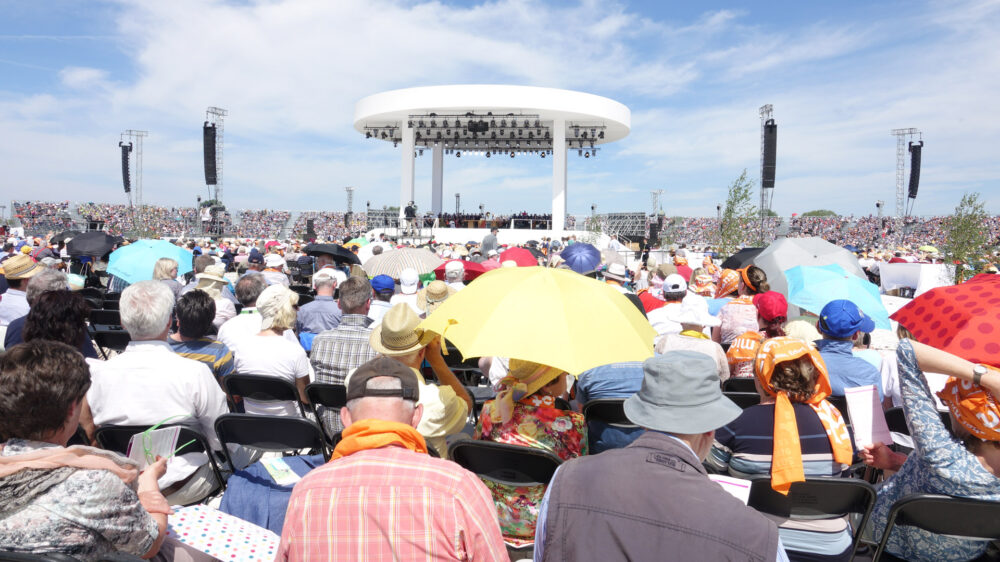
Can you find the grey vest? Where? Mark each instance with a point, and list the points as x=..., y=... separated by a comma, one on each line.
x=650, y=501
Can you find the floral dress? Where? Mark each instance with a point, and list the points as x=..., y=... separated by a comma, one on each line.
x=536, y=422
x=939, y=464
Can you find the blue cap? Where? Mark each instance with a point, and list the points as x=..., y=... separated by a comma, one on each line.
x=383, y=283
x=842, y=319
x=255, y=256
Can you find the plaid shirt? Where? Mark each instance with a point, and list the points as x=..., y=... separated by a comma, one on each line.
x=391, y=504
x=337, y=352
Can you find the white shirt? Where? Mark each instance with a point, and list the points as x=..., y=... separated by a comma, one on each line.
x=378, y=310
x=275, y=277
x=457, y=285
x=224, y=310
x=274, y=357
x=148, y=383
x=246, y=324
x=408, y=299
x=13, y=305
x=658, y=318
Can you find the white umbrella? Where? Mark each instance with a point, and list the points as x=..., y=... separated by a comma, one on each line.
x=365, y=252
x=786, y=253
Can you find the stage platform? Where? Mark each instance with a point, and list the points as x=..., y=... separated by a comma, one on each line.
x=511, y=236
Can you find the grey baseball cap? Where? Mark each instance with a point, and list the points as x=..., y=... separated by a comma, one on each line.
x=680, y=394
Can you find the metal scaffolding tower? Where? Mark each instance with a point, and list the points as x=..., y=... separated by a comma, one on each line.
x=902, y=137
x=135, y=138
x=217, y=116
x=657, y=197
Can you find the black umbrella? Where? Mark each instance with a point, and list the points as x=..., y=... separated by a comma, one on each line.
x=62, y=236
x=91, y=244
x=338, y=252
x=741, y=259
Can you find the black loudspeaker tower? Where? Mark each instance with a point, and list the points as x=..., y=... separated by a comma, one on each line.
x=310, y=229
x=915, y=149
x=126, y=179
x=208, y=137
x=770, y=153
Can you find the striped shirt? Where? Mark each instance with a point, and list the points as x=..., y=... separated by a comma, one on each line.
x=391, y=504
x=211, y=352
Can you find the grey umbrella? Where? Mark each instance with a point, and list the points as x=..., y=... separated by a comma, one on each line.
x=786, y=253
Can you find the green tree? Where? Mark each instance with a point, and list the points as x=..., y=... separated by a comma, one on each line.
x=738, y=216
x=770, y=213
x=820, y=213
x=966, y=234
x=210, y=203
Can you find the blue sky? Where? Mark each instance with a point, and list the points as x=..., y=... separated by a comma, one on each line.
x=74, y=74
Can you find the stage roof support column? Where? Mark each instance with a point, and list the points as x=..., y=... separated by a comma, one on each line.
x=437, y=179
x=558, y=175
x=406, y=191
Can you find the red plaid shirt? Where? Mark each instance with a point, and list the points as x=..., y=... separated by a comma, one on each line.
x=391, y=504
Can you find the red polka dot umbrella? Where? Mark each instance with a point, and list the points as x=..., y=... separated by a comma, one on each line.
x=961, y=319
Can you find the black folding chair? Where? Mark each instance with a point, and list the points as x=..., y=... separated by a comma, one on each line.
x=840, y=402
x=330, y=396
x=610, y=411
x=943, y=515
x=269, y=433
x=116, y=438
x=506, y=464
x=743, y=399
x=262, y=388
x=105, y=317
x=896, y=420
x=740, y=384
x=114, y=338
x=816, y=498
x=304, y=300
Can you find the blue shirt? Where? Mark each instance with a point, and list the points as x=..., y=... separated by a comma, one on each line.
x=320, y=315
x=15, y=335
x=617, y=380
x=846, y=370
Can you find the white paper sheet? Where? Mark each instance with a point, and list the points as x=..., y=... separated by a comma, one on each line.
x=866, y=415
x=162, y=442
x=739, y=488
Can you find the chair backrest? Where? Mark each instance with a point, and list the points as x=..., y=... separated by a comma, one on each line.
x=816, y=498
x=111, y=304
x=944, y=515
x=116, y=438
x=328, y=395
x=896, y=420
x=262, y=388
x=269, y=433
x=503, y=463
x=608, y=410
x=106, y=317
x=740, y=384
x=114, y=338
x=305, y=299
x=743, y=399
x=840, y=402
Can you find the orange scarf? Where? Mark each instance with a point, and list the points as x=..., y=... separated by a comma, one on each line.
x=375, y=434
x=973, y=406
x=786, y=457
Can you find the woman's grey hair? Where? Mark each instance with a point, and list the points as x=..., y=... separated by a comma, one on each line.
x=46, y=280
x=276, y=306
x=164, y=269
x=145, y=309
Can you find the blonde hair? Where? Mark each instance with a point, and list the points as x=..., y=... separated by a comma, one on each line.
x=162, y=269
x=276, y=306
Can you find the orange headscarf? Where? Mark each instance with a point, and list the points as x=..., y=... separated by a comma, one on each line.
x=973, y=406
x=375, y=434
x=729, y=281
x=710, y=266
x=703, y=285
x=786, y=457
x=678, y=260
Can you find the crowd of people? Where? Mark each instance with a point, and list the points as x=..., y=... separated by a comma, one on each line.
x=43, y=216
x=330, y=225
x=261, y=223
x=328, y=313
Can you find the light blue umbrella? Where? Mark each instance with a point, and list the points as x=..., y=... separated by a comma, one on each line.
x=134, y=263
x=811, y=287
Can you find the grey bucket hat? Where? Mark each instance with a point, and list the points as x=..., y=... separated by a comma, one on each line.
x=680, y=394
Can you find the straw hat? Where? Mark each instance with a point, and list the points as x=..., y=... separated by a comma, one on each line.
x=398, y=333
x=616, y=271
x=431, y=296
x=21, y=267
x=212, y=280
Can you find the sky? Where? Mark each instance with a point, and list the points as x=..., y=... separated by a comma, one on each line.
x=74, y=74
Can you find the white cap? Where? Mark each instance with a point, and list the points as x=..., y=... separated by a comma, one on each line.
x=674, y=283
x=408, y=281
x=492, y=253
x=274, y=260
x=454, y=266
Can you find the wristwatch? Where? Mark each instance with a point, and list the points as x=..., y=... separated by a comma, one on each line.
x=977, y=373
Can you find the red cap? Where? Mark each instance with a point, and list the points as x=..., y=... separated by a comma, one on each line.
x=771, y=305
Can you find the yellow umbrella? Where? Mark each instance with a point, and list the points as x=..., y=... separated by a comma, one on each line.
x=930, y=249
x=551, y=316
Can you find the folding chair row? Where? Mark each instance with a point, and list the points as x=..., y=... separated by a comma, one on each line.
x=942, y=515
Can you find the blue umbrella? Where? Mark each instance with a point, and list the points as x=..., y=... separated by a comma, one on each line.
x=812, y=286
x=581, y=257
x=851, y=248
x=134, y=263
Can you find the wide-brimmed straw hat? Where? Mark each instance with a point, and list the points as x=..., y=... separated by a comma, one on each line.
x=617, y=272
x=398, y=333
x=212, y=280
x=680, y=394
x=21, y=267
x=433, y=295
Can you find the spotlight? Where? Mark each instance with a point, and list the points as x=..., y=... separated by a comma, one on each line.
x=493, y=122
x=439, y=134
x=421, y=152
x=593, y=132
x=385, y=136
x=586, y=154
x=421, y=123
x=395, y=144
x=537, y=123
x=458, y=154
x=410, y=123
x=600, y=135
x=579, y=153
x=543, y=154
x=447, y=132
x=576, y=131
x=487, y=153
x=593, y=153
x=503, y=123
x=511, y=153
x=458, y=123
x=433, y=123
x=584, y=134
x=368, y=134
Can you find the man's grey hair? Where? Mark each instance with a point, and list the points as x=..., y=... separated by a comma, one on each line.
x=324, y=282
x=45, y=281
x=454, y=275
x=249, y=287
x=377, y=250
x=354, y=293
x=383, y=383
x=145, y=309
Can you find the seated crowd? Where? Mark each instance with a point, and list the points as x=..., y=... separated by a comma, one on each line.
x=636, y=488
